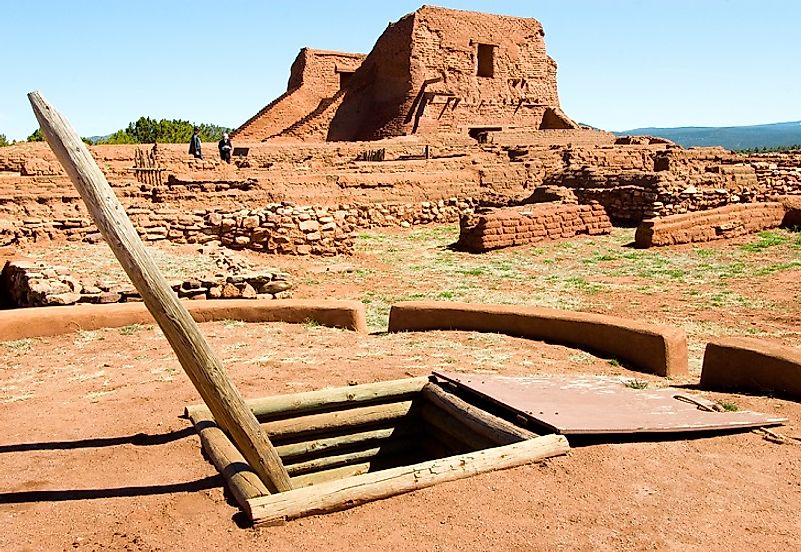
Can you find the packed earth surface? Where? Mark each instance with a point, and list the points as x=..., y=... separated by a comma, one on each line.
x=97, y=456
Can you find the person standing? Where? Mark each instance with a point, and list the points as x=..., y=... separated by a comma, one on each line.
x=195, y=145
x=225, y=148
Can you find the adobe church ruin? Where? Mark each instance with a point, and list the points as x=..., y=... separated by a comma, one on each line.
x=462, y=112
x=434, y=70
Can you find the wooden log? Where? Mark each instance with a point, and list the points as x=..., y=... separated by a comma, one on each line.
x=341, y=494
x=325, y=462
x=452, y=431
x=242, y=481
x=196, y=357
x=323, y=476
x=328, y=399
x=325, y=445
x=340, y=421
x=497, y=430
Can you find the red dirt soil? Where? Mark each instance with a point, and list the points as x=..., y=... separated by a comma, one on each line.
x=96, y=457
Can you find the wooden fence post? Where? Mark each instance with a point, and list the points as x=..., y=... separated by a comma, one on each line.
x=183, y=334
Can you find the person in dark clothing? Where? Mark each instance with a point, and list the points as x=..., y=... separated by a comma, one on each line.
x=195, y=146
x=225, y=148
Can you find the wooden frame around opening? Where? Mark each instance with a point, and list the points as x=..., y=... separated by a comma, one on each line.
x=326, y=473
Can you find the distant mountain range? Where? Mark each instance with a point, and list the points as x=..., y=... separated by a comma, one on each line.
x=734, y=138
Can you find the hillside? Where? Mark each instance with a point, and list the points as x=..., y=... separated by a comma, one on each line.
x=733, y=138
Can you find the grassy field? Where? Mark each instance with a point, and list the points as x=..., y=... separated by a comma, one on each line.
x=746, y=286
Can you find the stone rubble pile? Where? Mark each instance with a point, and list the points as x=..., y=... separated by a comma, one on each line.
x=29, y=283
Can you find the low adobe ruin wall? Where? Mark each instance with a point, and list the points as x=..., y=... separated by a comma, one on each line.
x=651, y=348
x=632, y=182
x=751, y=365
x=715, y=224
x=49, y=321
x=496, y=228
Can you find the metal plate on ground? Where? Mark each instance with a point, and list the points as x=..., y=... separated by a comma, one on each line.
x=587, y=405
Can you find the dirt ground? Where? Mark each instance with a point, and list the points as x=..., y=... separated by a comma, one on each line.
x=95, y=455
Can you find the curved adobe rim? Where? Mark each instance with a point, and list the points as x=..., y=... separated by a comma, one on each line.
x=751, y=365
x=50, y=321
x=651, y=348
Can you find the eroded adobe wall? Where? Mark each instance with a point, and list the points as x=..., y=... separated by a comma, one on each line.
x=418, y=182
x=315, y=76
x=374, y=96
x=637, y=182
x=713, y=224
x=519, y=82
x=496, y=228
x=442, y=70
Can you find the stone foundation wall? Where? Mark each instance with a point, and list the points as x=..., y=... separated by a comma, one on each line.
x=497, y=228
x=27, y=283
x=714, y=224
x=280, y=228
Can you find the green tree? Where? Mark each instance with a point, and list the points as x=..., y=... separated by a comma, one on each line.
x=3, y=141
x=119, y=137
x=146, y=130
x=36, y=136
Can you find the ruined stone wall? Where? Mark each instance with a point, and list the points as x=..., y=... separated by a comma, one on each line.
x=636, y=182
x=633, y=182
x=30, y=283
x=496, y=228
x=713, y=224
x=777, y=173
x=276, y=228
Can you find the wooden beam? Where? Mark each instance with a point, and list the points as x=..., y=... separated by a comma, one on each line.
x=452, y=431
x=323, y=476
x=344, y=493
x=339, y=421
x=491, y=427
x=183, y=334
x=327, y=445
x=326, y=462
x=327, y=399
x=241, y=479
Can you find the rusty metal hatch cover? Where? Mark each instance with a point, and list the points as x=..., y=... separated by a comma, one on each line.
x=586, y=405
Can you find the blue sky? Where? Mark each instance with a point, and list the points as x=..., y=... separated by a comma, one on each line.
x=622, y=63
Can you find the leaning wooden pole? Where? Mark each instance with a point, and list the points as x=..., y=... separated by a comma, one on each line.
x=183, y=334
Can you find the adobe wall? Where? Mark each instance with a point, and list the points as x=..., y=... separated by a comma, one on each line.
x=638, y=182
x=520, y=90
x=632, y=182
x=496, y=228
x=714, y=224
x=751, y=365
x=652, y=348
x=315, y=76
x=48, y=321
x=441, y=70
